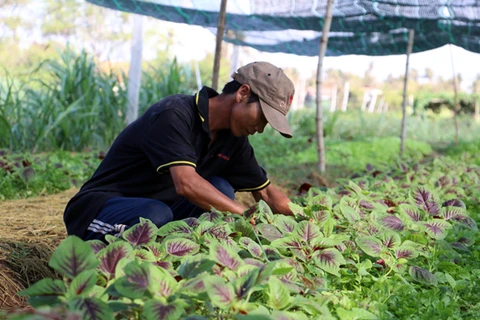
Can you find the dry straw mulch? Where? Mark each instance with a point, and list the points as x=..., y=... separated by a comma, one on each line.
x=30, y=229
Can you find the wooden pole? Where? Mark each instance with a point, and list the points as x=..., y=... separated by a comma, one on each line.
x=403, y=135
x=218, y=45
x=321, y=55
x=455, y=98
x=135, y=69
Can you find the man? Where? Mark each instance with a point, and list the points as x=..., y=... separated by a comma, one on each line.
x=185, y=155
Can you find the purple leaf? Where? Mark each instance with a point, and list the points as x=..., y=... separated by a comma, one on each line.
x=253, y=262
x=245, y=241
x=136, y=281
x=366, y=204
x=454, y=203
x=142, y=233
x=156, y=249
x=269, y=231
x=167, y=265
x=180, y=247
x=174, y=227
x=411, y=212
x=390, y=240
x=245, y=283
x=220, y=231
x=225, y=256
x=287, y=242
x=154, y=309
x=465, y=220
x=423, y=276
x=321, y=216
x=370, y=245
x=192, y=222
x=307, y=231
x=349, y=213
x=96, y=245
x=144, y=255
x=27, y=174
x=112, y=254
x=405, y=253
x=329, y=260
x=425, y=200
x=255, y=249
x=392, y=222
x=436, y=228
x=213, y=216
x=460, y=246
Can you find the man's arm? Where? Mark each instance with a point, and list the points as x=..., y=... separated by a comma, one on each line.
x=190, y=185
x=275, y=198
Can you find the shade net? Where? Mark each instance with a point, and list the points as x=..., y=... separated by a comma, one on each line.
x=295, y=26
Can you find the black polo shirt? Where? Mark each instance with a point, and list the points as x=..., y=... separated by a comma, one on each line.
x=174, y=131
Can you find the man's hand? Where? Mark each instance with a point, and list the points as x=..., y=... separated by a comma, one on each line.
x=275, y=199
x=190, y=185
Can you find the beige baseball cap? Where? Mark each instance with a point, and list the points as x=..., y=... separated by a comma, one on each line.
x=274, y=89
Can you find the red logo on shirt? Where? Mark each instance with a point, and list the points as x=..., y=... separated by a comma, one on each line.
x=224, y=157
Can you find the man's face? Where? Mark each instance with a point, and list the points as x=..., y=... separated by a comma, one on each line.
x=247, y=119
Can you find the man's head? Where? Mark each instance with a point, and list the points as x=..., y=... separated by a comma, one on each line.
x=273, y=89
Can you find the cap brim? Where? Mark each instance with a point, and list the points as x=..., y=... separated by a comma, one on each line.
x=276, y=119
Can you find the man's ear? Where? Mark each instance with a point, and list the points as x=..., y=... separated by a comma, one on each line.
x=243, y=92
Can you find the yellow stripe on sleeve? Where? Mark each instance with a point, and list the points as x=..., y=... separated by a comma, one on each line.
x=176, y=162
x=256, y=188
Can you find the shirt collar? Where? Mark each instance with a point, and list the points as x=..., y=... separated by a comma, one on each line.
x=201, y=101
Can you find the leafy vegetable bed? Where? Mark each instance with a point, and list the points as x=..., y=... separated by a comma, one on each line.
x=393, y=244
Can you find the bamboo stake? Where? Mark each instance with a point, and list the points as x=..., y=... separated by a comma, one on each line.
x=321, y=55
x=455, y=94
x=135, y=69
x=403, y=135
x=218, y=45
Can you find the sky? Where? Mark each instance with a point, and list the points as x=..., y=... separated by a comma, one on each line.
x=193, y=43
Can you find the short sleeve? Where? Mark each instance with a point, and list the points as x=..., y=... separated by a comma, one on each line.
x=245, y=174
x=167, y=141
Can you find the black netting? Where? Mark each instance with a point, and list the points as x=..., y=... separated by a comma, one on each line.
x=294, y=26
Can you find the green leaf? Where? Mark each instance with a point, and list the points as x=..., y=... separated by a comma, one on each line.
x=329, y=260
x=72, y=257
x=245, y=283
x=82, y=284
x=370, y=245
x=355, y=313
x=423, y=276
x=450, y=280
x=155, y=310
x=180, y=247
x=285, y=224
x=348, y=212
x=244, y=228
x=278, y=294
x=91, y=308
x=222, y=295
x=191, y=268
x=269, y=231
x=296, y=209
x=46, y=292
x=174, y=227
x=265, y=212
x=307, y=231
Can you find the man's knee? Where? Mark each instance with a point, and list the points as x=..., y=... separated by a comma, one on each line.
x=223, y=186
x=158, y=212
